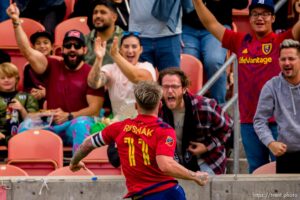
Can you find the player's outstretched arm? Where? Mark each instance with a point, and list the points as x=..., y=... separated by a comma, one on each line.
x=84, y=149
x=170, y=167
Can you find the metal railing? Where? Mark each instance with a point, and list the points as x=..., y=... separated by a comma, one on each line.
x=279, y=4
x=232, y=101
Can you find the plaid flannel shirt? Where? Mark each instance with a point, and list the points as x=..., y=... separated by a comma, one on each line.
x=210, y=125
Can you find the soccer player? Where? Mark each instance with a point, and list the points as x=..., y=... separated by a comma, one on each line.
x=146, y=147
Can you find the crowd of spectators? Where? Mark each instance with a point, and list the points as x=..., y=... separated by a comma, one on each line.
x=112, y=59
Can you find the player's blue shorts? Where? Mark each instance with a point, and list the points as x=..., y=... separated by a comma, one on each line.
x=174, y=193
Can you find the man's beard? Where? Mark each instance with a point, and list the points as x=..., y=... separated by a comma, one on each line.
x=72, y=65
x=102, y=28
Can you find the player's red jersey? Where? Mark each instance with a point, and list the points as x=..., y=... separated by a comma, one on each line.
x=139, y=141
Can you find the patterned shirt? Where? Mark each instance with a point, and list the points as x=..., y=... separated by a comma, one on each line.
x=139, y=141
x=257, y=63
x=207, y=123
x=89, y=41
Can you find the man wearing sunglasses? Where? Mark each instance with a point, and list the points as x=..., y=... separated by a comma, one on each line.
x=257, y=54
x=68, y=95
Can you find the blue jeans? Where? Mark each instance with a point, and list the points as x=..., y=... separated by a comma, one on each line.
x=204, y=46
x=162, y=52
x=173, y=193
x=205, y=168
x=256, y=152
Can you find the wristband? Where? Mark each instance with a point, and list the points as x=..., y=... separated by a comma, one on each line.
x=16, y=23
x=70, y=117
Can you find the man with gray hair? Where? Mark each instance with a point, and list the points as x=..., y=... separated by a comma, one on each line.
x=146, y=147
x=280, y=97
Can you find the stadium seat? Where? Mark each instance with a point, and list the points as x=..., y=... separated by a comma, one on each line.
x=241, y=19
x=193, y=68
x=269, y=168
x=79, y=23
x=65, y=171
x=97, y=162
x=9, y=45
x=38, y=152
x=8, y=40
x=69, y=7
x=10, y=170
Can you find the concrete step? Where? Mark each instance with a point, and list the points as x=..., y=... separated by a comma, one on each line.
x=243, y=166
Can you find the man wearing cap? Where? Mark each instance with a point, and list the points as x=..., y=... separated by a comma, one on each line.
x=102, y=17
x=32, y=83
x=68, y=95
x=257, y=54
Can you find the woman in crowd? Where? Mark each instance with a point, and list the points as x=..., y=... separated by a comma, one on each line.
x=120, y=76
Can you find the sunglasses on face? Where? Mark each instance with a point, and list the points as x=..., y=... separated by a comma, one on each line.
x=69, y=45
x=126, y=33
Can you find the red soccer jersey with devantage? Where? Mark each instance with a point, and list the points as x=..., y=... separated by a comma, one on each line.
x=257, y=63
x=139, y=141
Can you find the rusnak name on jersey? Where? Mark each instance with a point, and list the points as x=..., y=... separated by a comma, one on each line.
x=138, y=130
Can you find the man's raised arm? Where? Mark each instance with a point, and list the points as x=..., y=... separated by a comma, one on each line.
x=208, y=20
x=36, y=59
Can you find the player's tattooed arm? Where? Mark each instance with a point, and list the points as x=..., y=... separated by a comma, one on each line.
x=84, y=149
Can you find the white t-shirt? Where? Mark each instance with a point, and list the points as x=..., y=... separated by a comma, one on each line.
x=178, y=116
x=120, y=89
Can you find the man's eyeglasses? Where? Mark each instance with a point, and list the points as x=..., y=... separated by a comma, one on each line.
x=263, y=14
x=173, y=87
x=134, y=33
x=69, y=45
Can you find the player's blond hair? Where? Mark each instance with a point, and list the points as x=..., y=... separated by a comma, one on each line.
x=147, y=94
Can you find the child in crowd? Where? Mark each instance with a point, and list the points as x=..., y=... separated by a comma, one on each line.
x=14, y=105
x=33, y=83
